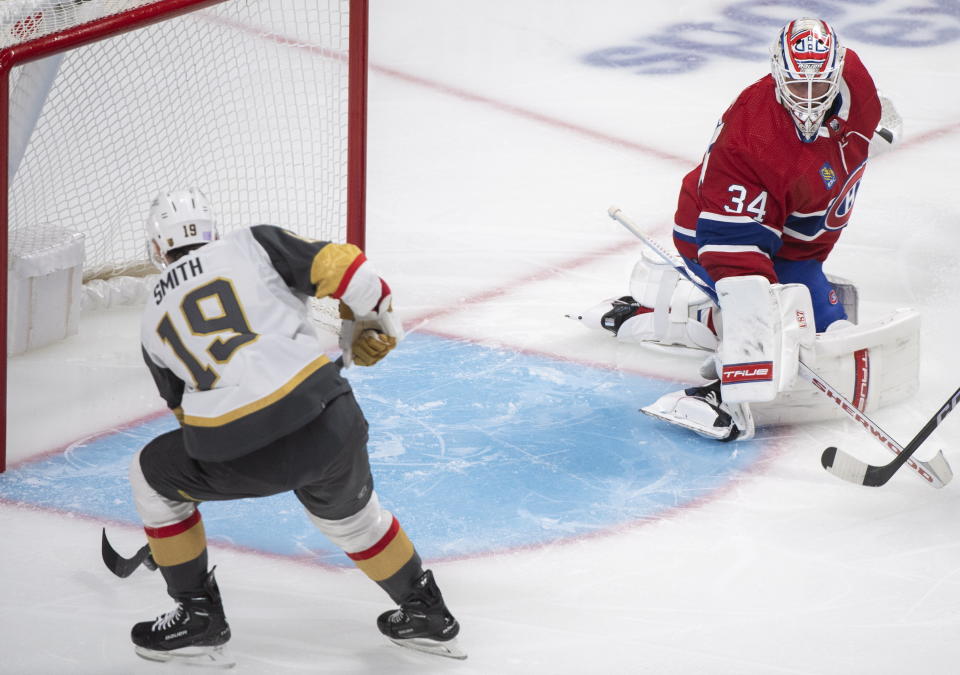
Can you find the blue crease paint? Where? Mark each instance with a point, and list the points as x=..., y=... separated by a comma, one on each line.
x=476, y=450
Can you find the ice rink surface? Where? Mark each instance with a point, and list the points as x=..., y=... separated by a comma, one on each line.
x=500, y=132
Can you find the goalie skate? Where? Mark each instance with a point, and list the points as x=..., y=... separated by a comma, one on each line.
x=701, y=410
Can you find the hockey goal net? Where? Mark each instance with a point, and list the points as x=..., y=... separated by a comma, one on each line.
x=260, y=103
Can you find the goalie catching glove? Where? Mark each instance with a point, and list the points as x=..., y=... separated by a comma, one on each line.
x=366, y=340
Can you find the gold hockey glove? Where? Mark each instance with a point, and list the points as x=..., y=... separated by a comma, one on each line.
x=367, y=340
x=370, y=346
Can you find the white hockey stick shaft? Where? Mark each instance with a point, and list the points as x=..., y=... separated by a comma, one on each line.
x=938, y=475
x=657, y=248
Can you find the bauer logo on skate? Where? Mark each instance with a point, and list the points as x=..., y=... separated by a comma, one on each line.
x=748, y=372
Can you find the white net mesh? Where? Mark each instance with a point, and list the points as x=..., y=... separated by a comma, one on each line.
x=25, y=20
x=246, y=100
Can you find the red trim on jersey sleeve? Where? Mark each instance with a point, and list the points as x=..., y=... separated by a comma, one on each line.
x=384, y=292
x=348, y=276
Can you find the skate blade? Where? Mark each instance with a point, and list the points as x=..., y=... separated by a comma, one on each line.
x=204, y=657
x=450, y=648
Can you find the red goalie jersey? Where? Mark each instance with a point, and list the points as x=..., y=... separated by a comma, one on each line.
x=762, y=194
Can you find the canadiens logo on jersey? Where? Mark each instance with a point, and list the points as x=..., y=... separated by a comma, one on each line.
x=838, y=213
x=828, y=175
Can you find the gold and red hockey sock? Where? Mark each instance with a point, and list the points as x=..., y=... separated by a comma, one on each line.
x=180, y=551
x=392, y=562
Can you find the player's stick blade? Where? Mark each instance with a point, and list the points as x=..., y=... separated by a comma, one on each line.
x=940, y=468
x=844, y=466
x=124, y=567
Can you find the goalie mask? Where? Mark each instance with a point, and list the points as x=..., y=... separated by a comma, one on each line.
x=807, y=61
x=177, y=219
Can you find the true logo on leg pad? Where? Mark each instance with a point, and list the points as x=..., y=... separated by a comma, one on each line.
x=737, y=373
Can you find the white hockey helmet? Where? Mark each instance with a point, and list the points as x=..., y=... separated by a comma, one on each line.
x=180, y=218
x=807, y=62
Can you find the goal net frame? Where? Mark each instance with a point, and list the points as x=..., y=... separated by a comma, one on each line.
x=141, y=17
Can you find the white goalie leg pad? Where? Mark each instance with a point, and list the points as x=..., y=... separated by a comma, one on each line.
x=682, y=314
x=765, y=328
x=797, y=331
x=361, y=530
x=873, y=364
x=155, y=510
x=751, y=340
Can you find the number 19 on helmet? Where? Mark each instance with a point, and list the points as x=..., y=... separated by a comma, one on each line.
x=177, y=219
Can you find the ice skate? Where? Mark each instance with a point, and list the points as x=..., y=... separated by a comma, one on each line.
x=193, y=632
x=423, y=621
x=702, y=410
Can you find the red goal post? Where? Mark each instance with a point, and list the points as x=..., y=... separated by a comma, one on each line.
x=260, y=103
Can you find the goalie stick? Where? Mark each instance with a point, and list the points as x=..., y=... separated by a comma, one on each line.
x=849, y=468
x=936, y=472
x=124, y=567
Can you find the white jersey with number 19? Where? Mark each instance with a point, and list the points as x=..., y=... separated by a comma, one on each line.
x=227, y=339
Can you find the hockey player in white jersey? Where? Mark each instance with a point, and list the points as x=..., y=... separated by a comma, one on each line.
x=262, y=411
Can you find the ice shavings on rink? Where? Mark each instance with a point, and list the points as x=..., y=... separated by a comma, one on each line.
x=475, y=449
